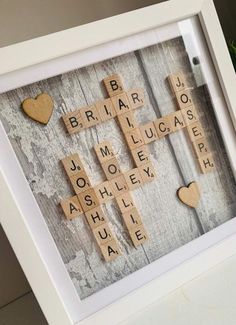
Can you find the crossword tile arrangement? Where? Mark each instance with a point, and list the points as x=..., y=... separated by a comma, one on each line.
x=118, y=185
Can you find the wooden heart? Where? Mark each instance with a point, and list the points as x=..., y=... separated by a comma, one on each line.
x=39, y=109
x=189, y=195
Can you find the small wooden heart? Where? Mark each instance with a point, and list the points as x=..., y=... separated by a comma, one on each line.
x=39, y=109
x=189, y=195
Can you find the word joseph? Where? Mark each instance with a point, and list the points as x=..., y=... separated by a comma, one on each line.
x=122, y=104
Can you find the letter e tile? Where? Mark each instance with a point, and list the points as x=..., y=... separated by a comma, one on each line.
x=138, y=235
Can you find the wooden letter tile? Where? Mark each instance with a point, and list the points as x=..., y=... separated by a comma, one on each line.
x=80, y=182
x=201, y=147
x=177, y=82
x=136, y=97
x=95, y=217
x=73, y=122
x=195, y=131
x=141, y=155
x=138, y=235
x=110, y=250
x=132, y=218
x=111, y=168
x=127, y=121
x=104, y=192
x=206, y=163
x=118, y=185
x=88, y=199
x=105, y=109
x=71, y=207
x=189, y=114
x=104, y=151
x=125, y=202
x=147, y=172
x=162, y=126
x=113, y=85
x=184, y=98
x=72, y=164
x=148, y=132
x=134, y=139
x=103, y=234
x=133, y=178
x=90, y=115
x=176, y=121
x=121, y=103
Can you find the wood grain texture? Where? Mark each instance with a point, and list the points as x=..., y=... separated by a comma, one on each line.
x=168, y=223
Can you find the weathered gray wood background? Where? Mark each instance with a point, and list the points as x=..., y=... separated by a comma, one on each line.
x=169, y=223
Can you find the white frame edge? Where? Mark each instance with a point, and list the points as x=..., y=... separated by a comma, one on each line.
x=40, y=50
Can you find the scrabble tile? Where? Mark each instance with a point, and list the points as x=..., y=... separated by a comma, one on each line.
x=104, y=151
x=136, y=97
x=80, y=182
x=72, y=164
x=132, y=218
x=113, y=85
x=118, y=185
x=176, y=121
x=133, y=178
x=73, y=122
x=162, y=126
x=127, y=121
x=141, y=155
x=121, y=103
x=95, y=217
x=134, y=138
x=71, y=207
x=189, y=114
x=195, y=131
x=88, y=199
x=90, y=116
x=201, y=147
x=206, y=163
x=125, y=202
x=104, y=192
x=105, y=109
x=184, y=98
x=110, y=250
x=111, y=168
x=148, y=132
x=177, y=82
x=103, y=234
x=138, y=235
x=147, y=172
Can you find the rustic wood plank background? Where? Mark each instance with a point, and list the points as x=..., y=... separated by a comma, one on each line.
x=169, y=223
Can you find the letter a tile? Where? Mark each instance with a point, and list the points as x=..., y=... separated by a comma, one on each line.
x=110, y=250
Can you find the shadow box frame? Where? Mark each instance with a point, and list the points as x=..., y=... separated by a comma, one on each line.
x=37, y=59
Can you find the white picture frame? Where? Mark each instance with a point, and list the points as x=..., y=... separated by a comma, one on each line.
x=37, y=59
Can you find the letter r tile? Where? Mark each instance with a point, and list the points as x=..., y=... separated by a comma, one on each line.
x=90, y=115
